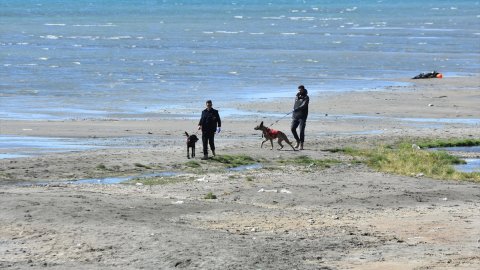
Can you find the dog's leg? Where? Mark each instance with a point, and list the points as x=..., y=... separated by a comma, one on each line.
x=280, y=143
x=193, y=151
x=271, y=142
x=188, y=152
x=290, y=143
x=284, y=137
x=261, y=146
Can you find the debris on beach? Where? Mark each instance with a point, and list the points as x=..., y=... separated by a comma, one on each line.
x=268, y=190
x=202, y=179
x=429, y=75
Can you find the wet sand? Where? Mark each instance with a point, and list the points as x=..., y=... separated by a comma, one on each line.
x=347, y=216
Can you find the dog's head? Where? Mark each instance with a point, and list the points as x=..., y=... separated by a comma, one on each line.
x=191, y=139
x=259, y=127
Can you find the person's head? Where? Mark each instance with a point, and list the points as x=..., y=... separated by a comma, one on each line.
x=301, y=89
x=208, y=103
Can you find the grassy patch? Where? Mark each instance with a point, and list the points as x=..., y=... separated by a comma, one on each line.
x=435, y=143
x=101, y=166
x=405, y=160
x=231, y=161
x=210, y=196
x=141, y=165
x=193, y=164
x=310, y=162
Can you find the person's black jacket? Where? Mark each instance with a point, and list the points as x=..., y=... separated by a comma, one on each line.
x=210, y=120
x=300, y=107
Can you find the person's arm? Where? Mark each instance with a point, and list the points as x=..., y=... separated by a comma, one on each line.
x=302, y=105
x=201, y=121
x=219, y=122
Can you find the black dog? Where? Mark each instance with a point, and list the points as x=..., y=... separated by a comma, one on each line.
x=191, y=140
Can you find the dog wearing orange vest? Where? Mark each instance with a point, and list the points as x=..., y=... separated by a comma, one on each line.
x=272, y=134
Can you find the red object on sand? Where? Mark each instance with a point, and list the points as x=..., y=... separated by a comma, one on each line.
x=439, y=75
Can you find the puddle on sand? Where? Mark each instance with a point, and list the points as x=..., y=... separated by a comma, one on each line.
x=118, y=180
x=101, y=181
x=473, y=165
x=24, y=146
x=469, y=149
x=246, y=167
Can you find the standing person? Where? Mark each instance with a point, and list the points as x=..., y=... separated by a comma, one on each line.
x=299, y=115
x=209, y=124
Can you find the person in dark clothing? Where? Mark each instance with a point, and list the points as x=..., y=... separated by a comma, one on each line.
x=299, y=115
x=209, y=123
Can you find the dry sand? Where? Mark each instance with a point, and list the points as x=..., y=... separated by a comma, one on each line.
x=347, y=216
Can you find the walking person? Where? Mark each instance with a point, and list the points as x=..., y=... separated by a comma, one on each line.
x=299, y=115
x=210, y=123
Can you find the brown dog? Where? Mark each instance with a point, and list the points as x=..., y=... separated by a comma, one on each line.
x=191, y=140
x=271, y=134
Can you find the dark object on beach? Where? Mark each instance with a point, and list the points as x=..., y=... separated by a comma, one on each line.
x=429, y=75
x=191, y=140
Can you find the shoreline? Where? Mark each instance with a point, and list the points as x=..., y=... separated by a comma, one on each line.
x=279, y=216
x=326, y=101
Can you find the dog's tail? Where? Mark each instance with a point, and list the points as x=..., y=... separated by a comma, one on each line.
x=186, y=133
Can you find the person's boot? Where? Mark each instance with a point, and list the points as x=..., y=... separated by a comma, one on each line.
x=205, y=157
x=213, y=152
x=301, y=146
x=297, y=145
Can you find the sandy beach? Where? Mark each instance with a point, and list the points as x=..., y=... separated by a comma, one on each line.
x=346, y=216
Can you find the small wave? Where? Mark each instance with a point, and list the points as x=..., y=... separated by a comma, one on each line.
x=227, y=32
x=330, y=19
x=50, y=37
x=55, y=24
x=238, y=17
x=274, y=18
x=84, y=37
x=287, y=34
x=259, y=33
x=118, y=37
x=43, y=58
x=95, y=25
x=302, y=18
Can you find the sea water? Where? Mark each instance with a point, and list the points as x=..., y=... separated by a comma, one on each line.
x=135, y=59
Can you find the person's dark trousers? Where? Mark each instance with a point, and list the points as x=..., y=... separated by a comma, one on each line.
x=299, y=123
x=208, y=138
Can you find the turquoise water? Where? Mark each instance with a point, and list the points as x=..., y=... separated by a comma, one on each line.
x=135, y=59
